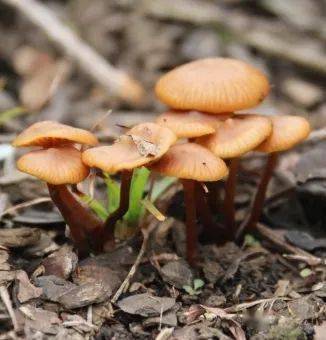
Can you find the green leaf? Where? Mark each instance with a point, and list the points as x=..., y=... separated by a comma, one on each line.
x=161, y=186
x=189, y=290
x=96, y=206
x=113, y=194
x=198, y=283
x=305, y=272
x=5, y=116
x=137, y=189
x=153, y=210
x=250, y=241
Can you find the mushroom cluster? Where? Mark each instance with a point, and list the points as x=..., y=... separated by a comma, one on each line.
x=199, y=140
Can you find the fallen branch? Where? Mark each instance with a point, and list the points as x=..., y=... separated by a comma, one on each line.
x=114, y=80
x=279, y=241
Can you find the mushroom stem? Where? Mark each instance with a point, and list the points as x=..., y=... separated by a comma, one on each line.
x=191, y=216
x=259, y=199
x=230, y=188
x=109, y=224
x=204, y=212
x=80, y=221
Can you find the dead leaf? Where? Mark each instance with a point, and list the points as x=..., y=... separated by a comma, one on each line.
x=37, y=319
x=177, y=273
x=19, y=237
x=60, y=263
x=146, y=304
x=26, y=290
x=145, y=148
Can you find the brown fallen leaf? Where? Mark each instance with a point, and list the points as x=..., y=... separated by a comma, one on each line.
x=19, y=237
x=146, y=304
x=38, y=88
x=145, y=148
x=26, y=290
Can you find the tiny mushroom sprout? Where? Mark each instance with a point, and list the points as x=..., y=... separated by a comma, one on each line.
x=59, y=164
x=191, y=163
x=287, y=132
x=142, y=144
x=235, y=137
x=213, y=85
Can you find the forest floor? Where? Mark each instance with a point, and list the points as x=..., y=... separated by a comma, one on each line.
x=271, y=285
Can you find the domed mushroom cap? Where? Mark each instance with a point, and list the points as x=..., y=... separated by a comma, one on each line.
x=190, y=124
x=141, y=145
x=237, y=136
x=214, y=85
x=60, y=165
x=191, y=161
x=49, y=133
x=287, y=132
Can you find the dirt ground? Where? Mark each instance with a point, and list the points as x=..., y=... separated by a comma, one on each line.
x=270, y=285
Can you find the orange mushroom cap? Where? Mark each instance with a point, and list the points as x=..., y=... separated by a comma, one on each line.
x=190, y=124
x=141, y=145
x=214, y=85
x=60, y=165
x=49, y=133
x=191, y=161
x=237, y=135
x=287, y=132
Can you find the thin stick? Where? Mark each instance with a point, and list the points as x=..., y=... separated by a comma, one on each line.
x=116, y=81
x=259, y=199
x=4, y=295
x=109, y=224
x=191, y=214
x=230, y=189
x=16, y=207
x=134, y=267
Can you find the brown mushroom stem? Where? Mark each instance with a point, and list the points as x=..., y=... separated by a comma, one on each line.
x=259, y=199
x=191, y=219
x=110, y=222
x=205, y=213
x=229, y=200
x=80, y=221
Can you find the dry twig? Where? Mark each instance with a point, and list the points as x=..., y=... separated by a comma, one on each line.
x=116, y=81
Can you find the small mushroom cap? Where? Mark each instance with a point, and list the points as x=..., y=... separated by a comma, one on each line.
x=287, y=132
x=60, y=165
x=214, y=85
x=237, y=136
x=141, y=145
x=49, y=133
x=190, y=124
x=191, y=161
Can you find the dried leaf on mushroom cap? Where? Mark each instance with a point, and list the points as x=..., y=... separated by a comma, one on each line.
x=190, y=124
x=60, y=165
x=287, y=132
x=214, y=85
x=237, y=135
x=50, y=133
x=141, y=145
x=191, y=161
